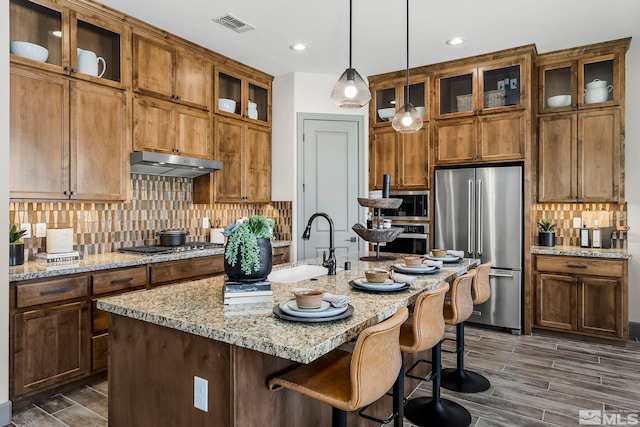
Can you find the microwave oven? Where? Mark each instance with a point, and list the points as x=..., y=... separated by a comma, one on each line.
x=414, y=206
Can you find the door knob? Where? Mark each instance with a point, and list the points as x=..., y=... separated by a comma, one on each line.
x=351, y=239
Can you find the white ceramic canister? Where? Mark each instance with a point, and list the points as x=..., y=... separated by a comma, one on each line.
x=88, y=63
x=59, y=240
x=598, y=94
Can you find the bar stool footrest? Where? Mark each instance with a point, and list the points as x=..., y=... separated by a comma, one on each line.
x=424, y=411
x=463, y=381
x=451, y=351
x=429, y=377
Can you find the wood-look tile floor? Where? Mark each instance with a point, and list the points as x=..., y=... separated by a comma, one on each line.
x=535, y=381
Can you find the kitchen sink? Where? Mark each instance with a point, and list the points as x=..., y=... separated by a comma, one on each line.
x=297, y=273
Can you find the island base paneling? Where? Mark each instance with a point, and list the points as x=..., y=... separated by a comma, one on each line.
x=151, y=370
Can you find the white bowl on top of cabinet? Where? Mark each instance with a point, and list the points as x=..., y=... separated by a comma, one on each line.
x=228, y=105
x=29, y=50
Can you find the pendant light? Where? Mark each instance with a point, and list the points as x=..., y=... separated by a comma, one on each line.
x=350, y=91
x=408, y=118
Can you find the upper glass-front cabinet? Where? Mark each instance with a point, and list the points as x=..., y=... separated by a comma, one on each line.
x=479, y=90
x=238, y=95
x=67, y=40
x=585, y=83
x=388, y=97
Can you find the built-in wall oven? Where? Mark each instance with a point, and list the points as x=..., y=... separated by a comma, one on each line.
x=413, y=216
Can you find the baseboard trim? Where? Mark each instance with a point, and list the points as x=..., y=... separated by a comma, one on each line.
x=5, y=413
x=634, y=329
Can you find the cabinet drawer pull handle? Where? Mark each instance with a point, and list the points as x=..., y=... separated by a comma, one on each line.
x=54, y=291
x=123, y=280
x=576, y=266
x=276, y=255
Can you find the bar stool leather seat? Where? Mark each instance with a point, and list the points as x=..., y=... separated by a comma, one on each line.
x=349, y=381
x=426, y=330
x=458, y=378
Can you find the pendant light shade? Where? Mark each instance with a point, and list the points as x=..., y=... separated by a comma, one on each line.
x=350, y=91
x=408, y=119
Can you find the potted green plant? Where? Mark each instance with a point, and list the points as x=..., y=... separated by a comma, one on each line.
x=16, y=245
x=248, y=253
x=546, y=235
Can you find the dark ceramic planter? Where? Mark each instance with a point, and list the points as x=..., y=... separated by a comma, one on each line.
x=546, y=239
x=16, y=254
x=235, y=273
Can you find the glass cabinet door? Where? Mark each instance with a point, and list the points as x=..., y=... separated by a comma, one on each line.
x=456, y=94
x=417, y=96
x=385, y=104
x=558, y=86
x=501, y=87
x=228, y=94
x=598, y=81
x=258, y=102
x=33, y=24
x=98, y=51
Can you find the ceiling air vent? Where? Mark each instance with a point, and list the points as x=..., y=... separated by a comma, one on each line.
x=234, y=23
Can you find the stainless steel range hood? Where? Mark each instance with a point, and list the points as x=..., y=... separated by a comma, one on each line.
x=150, y=163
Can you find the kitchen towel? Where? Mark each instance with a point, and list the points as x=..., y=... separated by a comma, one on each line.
x=335, y=300
x=456, y=253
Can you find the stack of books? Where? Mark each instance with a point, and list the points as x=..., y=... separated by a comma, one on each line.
x=58, y=257
x=247, y=293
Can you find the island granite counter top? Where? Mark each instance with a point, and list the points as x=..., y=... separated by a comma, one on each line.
x=581, y=252
x=196, y=308
x=40, y=270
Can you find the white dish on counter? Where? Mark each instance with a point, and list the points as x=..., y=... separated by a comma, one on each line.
x=329, y=312
x=387, y=285
x=416, y=269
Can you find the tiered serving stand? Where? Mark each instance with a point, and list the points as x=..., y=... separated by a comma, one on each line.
x=378, y=235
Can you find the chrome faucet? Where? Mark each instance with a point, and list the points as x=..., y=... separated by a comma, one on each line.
x=328, y=262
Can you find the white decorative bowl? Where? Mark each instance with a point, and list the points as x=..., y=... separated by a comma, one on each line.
x=387, y=113
x=29, y=50
x=559, y=101
x=228, y=105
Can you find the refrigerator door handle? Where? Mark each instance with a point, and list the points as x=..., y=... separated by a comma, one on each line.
x=469, y=215
x=479, y=218
x=500, y=275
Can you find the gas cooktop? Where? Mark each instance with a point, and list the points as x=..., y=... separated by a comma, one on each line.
x=158, y=250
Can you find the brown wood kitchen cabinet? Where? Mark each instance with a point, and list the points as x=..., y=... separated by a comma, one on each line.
x=281, y=255
x=582, y=296
x=63, y=28
x=388, y=94
x=580, y=144
x=245, y=152
x=50, y=334
x=403, y=156
x=482, y=106
x=69, y=138
x=185, y=269
x=165, y=127
x=244, y=86
x=168, y=72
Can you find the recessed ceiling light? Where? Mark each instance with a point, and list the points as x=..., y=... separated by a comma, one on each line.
x=455, y=41
x=298, y=46
x=55, y=33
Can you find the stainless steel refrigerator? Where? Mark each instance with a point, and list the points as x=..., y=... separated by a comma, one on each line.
x=479, y=211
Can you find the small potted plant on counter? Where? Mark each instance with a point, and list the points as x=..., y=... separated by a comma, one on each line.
x=16, y=245
x=248, y=254
x=546, y=235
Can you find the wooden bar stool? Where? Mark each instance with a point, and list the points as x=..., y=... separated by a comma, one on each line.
x=426, y=331
x=349, y=381
x=458, y=378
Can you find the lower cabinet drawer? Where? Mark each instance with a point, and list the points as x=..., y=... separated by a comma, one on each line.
x=99, y=318
x=280, y=255
x=117, y=280
x=185, y=269
x=580, y=266
x=44, y=292
x=99, y=352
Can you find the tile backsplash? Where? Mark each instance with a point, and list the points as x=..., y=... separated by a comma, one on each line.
x=156, y=203
x=562, y=214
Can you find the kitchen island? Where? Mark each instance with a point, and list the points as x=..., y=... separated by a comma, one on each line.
x=160, y=339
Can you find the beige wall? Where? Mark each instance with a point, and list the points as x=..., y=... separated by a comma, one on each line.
x=4, y=199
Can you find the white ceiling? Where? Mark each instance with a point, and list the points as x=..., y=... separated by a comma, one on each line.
x=379, y=29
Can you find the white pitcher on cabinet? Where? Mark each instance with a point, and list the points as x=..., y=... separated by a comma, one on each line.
x=88, y=63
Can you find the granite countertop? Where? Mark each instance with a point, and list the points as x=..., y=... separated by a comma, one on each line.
x=196, y=307
x=39, y=270
x=581, y=252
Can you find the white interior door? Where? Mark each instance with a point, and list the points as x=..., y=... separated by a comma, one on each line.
x=330, y=181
